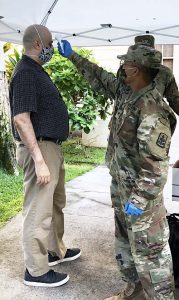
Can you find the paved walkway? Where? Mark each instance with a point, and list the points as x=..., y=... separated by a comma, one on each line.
x=88, y=225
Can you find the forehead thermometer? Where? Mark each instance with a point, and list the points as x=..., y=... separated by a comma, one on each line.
x=58, y=37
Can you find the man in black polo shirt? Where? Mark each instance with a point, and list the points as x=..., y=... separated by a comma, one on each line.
x=40, y=124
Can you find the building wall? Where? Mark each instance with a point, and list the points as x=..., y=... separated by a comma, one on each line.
x=107, y=58
x=176, y=63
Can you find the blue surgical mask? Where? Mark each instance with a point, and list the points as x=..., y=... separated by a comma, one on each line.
x=46, y=53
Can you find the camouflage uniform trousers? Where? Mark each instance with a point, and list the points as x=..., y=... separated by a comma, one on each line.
x=143, y=253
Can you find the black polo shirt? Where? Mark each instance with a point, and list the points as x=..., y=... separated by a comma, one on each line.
x=32, y=90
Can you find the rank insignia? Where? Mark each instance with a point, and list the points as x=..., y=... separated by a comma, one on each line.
x=162, y=139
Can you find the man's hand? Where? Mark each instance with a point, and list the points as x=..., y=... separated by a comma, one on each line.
x=67, y=49
x=131, y=210
x=42, y=172
x=26, y=131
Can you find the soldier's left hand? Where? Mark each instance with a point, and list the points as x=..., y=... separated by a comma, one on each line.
x=131, y=210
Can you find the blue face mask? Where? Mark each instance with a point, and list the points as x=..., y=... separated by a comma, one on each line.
x=46, y=53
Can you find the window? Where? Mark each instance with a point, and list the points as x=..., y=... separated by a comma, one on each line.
x=167, y=55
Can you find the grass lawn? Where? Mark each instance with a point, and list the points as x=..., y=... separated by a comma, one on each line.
x=78, y=160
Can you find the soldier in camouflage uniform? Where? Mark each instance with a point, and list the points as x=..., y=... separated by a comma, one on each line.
x=137, y=157
x=164, y=79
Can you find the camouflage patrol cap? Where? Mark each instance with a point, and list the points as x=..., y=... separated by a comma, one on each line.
x=142, y=55
x=146, y=40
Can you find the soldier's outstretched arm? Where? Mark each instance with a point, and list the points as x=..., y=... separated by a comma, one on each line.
x=153, y=136
x=101, y=81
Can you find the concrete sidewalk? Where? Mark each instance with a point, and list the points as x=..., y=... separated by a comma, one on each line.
x=89, y=225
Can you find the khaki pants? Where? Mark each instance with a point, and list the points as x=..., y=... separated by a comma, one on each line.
x=43, y=219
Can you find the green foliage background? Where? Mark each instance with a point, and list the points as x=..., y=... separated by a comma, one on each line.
x=84, y=105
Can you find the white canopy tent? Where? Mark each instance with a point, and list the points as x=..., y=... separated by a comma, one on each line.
x=93, y=22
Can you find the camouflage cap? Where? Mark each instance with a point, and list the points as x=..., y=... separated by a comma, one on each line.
x=142, y=55
x=146, y=40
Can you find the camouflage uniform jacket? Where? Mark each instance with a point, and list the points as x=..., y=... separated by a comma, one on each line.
x=142, y=124
x=166, y=85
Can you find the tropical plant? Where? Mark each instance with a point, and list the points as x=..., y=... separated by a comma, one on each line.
x=7, y=147
x=84, y=105
x=11, y=61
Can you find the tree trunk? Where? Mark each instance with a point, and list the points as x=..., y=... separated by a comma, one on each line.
x=7, y=145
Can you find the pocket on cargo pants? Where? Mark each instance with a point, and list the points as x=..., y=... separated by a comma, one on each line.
x=162, y=282
x=20, y=156
x=152, y=257
x=151, y=241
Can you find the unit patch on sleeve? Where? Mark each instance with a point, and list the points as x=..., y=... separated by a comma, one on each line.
x=162, y=139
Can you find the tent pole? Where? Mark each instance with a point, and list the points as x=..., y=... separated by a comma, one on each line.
x=44, y=21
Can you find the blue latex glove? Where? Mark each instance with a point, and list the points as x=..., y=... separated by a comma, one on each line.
x=131, y=210
x=67, y=49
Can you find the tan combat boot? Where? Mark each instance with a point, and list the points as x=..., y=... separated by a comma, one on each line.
x=131, y=292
